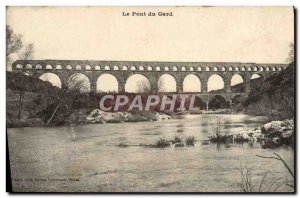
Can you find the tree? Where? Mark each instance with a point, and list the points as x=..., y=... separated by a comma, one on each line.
x=77, y=83
x=65, y=99
x=144, y=87
x=13, y=42
x=27, y=54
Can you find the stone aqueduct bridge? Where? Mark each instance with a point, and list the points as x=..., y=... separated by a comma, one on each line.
x=122, y=70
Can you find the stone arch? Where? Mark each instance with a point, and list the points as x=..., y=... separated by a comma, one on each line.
x=132, y=68
x=19, y=66
x=183, y=68
x=78, y=67
x=243, y=68
x=39, y=66
x=261, y=68
x=237, y=69
x=141, y=68
x=273, y=68
x=191, y=83
x=28, y=66
x=167, y=68
x=149, y=68
x=157, y=68
x=268, y=69
x=207, y=69
x=249, y=69
x=215, y=68
x=237, y=83
x=79, y=82
x=199, y=68
x=137, y=83
x=215, y=82
x=49, y=67
x=124, y=67
x=88, y=67
x=256, y=80
x=223, y=69
x=52, y=78
x=107, y=83
x=69, y=67
x=175, y=68
x=218, y=102
x=238, y=99
x=167, y=83
x=58, y=67
x=106, y=67
x=230, y=69
x=255, y=68
x=279, y=68
x=97, y=67
x=115, y=67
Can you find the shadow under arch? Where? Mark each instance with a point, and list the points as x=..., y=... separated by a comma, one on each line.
x=238, y=83
x=256, y=81
x=218, y=102
x=238, y=99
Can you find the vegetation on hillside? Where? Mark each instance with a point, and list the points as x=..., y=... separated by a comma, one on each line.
x=276, y=96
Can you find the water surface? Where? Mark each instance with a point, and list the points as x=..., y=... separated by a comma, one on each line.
x=87, y=158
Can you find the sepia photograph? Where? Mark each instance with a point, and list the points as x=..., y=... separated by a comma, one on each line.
x=194, y=99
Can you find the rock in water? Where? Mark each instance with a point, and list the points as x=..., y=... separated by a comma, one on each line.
x=98, y=116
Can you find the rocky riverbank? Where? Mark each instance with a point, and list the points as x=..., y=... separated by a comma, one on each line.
x=98, y=116
x=274, y=133
x=271, y=134
x=95, y=116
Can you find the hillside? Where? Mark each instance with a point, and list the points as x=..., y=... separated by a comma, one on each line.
x=274, y=97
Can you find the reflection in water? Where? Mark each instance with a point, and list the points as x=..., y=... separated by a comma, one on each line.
x=101, y=165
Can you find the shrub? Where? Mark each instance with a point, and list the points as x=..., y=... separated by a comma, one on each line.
x=162, y=143
x=176, y=139
x=190, y=140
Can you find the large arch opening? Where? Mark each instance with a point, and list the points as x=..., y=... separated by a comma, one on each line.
x=218, y=102
x=52, y=78
x=137, y=83
x=237, y=83
x=215, y=82
x=256, y=81
x=107, y=83
x=167, y=83
x=191, y=83
x=79, y=82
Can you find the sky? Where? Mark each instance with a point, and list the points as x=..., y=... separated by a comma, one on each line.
x=196, y=34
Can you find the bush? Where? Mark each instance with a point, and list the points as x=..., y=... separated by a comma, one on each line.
x=162, y=143
x=190, y=141
x=176, y=139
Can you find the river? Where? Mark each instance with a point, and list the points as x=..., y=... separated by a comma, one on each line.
x=87, y=158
